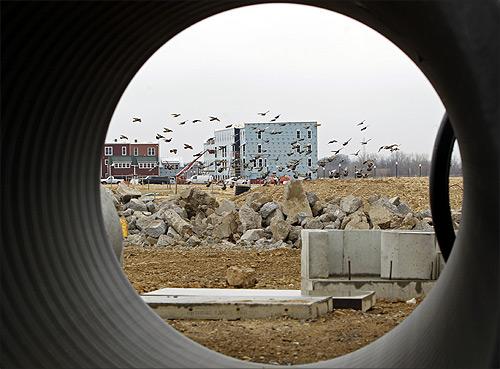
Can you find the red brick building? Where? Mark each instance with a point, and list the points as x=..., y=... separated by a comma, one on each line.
x=127, y=160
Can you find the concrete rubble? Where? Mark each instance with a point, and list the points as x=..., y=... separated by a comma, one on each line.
x=194, y=217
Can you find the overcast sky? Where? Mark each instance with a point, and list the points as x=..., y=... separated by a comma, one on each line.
x=302, y=62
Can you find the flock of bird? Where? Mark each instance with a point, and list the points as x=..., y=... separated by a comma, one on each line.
x=264, y=134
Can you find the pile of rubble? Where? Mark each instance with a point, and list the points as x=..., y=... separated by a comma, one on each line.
x=194, y=217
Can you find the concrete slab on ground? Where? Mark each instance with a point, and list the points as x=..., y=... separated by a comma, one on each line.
x=233, y=304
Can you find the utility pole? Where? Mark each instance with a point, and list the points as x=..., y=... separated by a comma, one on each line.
x=396, y=169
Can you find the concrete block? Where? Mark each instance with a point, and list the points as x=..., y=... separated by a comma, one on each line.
x=411, y=254
x=314, y=254
x=362, y=249
x=231, y=304
x=395, y=290
x=335, y=253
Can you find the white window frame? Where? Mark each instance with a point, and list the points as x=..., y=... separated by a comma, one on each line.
x=259, y=149
x=124, y=150
x=259, y=135
x=108, y=151
x=106, y=162
x=309, y=162
x=151, y=151
x=136, y=151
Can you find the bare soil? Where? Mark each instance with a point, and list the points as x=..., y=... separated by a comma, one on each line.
x=278, y=341
x=285, y=340
x=412, y=190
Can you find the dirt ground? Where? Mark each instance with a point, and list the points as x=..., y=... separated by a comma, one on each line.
x=152, y=268
x=283, y=341
x=290, y=341
x=413, y=190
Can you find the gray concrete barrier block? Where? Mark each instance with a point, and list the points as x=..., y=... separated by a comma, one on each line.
x=362, y=250
x=335, y=252
x=314, y=255
x=407, y=255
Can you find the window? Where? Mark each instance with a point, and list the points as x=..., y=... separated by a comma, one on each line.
x=151, y=151
x=259, y=135
x=259, y=148
x=108, y=151
x=265, y=162
x=309, y=162
x=298, y=133
x=260, y=163
x=309, y=133
x=136, y=151
x=309, y=147
x=298, y=149
x=124, y=150
x=106, y=161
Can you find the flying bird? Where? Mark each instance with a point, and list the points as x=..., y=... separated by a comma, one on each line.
x=122, y=137
x=186, y=147
x=212, y=119
x=332, y=141
x=336, y=152
x=356, y=153
x=175, y=115
x=158, y=136
x=263, y=114
x=365, y=142
x=168, y=140
x=196, y=121
x=275, y=118
x=360, y=124
x=182, y=123
x=174, y=151
x=365, y=127
x=345, y=143
x=134, y=120
x=229, y=126
x=167, y=130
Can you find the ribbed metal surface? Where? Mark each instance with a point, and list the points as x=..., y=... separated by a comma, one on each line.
x=65, y=301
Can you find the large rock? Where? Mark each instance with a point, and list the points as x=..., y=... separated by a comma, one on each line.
x=312, y=223
x=171, y=238
x=268, y=208
x=327, y=217
x=143, y=221
x=350, y=204
x=409, y=221
x=155, y=228
x=312, y=198
x=180, y=225
x=257, y=199
x=317, y=208
x=136, y=205
x=249, y=218
x=357, y=220
x=126, y=193
x=225, y=226
x=382, y=212
x=280, y=229
x=194, y=200
x=137, y=240
x=295, y=232
x=253, y=235
x=403, y=208
x=240, y=277
x=225, y=206
x=295, y=200
x=172, y=205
